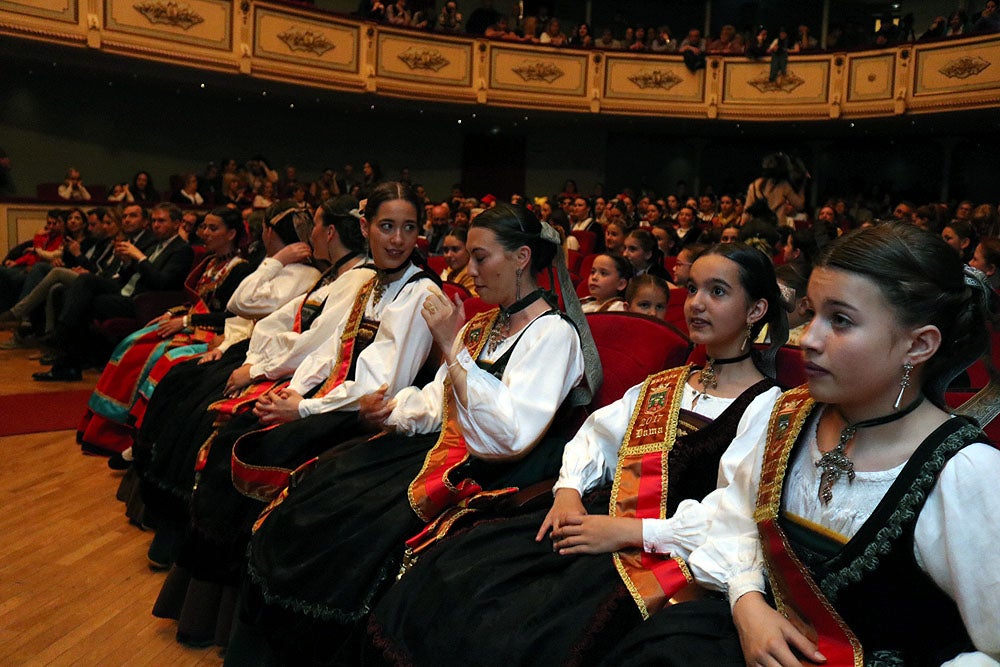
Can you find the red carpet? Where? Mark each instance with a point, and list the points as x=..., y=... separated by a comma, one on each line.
x=34, y=413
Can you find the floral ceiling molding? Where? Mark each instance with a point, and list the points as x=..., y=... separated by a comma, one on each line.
x=176, y=14
x=964, y=67
x=665, y=79
x=538, y=71
x=785, y=83
x=429, y=59
x=298, y=39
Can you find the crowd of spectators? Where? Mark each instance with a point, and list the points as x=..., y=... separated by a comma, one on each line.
x=623, y=35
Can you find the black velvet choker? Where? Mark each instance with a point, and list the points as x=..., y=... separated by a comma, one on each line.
x=385, y=278
x=501, y=328
x=707, y=377
x=835, y=462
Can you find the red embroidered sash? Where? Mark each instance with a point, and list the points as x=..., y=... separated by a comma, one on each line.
x=796, y=594
x=264, y=482
x=640, y=488
x=432, y=491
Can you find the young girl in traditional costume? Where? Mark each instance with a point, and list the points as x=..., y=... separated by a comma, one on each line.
x=869, y=509
x=561, y=586
x=609, y=276
x=472, y=436
x=367, y=332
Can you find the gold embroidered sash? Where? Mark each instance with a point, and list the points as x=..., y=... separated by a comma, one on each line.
x=640, y=488
x=796, y=594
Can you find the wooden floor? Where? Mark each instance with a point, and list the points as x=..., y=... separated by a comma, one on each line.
x=75, y=588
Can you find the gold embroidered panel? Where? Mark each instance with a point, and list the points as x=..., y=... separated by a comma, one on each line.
x=955, y=68
x=664, y=79
x=871, y=77
x=65, y=11
x=203, y=23
x=300, y=39
x=806, y=81
x=548, y=71
x=434, y=61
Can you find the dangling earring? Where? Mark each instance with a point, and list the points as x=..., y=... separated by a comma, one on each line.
x=903, y=384
x=746, y=341
x=517, y=297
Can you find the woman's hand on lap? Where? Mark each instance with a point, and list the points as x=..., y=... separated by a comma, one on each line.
x=767, y=637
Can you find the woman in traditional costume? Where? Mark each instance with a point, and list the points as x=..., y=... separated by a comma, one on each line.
x=561, y=586
x=869, y=509
x=467, y=440
x=184, y=331
x=336, y=345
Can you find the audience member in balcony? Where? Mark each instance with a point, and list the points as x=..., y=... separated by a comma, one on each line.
x=120, y=193
x=726, y=44
x=450, y=19
x=529, y=30
x=888, y=33
x=986, y=258
x=142, y=189
x=72, y=189
x=758, y=46
x=397, y=13
x=188, y=195
x=481, y=18
x=778, y=50
x=500, y=30
x=373, y=10
x=663, y=42
x=936, y=30
x=422, y=15
x=582, y=39
x=693, y=50
x=648, y=295
x=456, y=258
x=643, y=252
x=553, y=34
x=988, y=21
x=956, y=24
x=804, y=42
x=960, y=235
x=92, y=297
x=607, y=41
x=638, y=43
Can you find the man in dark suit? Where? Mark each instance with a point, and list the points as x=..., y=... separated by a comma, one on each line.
x=150, y=262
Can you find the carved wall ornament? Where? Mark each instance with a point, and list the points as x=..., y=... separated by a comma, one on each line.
x=665, y=79
x=538, y=71
x=176, y=14
x=430, y=59
x=784, y=83
x=297, y=39
x=964, y=67
x=871, y=78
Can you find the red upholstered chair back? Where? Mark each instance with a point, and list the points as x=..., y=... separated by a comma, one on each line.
x=437, y=264
x=583, y=288
x=675, y=309
x=669, y=262
x=573, y=260
x=545, y=283
x=452, y=289
x=631, y=348
x=423, y=245
x=587, y=241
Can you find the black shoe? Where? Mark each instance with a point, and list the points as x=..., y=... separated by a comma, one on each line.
x=48, y=359
x=118, y=462
x=65, y=374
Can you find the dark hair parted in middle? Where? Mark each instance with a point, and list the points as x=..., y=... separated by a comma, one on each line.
x=758, y=280
x=923, y=282
x=516, y=226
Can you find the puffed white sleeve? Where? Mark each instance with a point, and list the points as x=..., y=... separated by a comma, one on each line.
x=686, y=530
x=955, y=542
x=270, y=287
x=504, y=419
x=400, y=348
x=278, y=350
x=420, y=410
x=590, y=458
x=730, y=559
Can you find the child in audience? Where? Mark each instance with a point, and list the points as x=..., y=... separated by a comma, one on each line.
x=648, y=295
x=643, y=252
x=614, y=238
x=609, y=278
